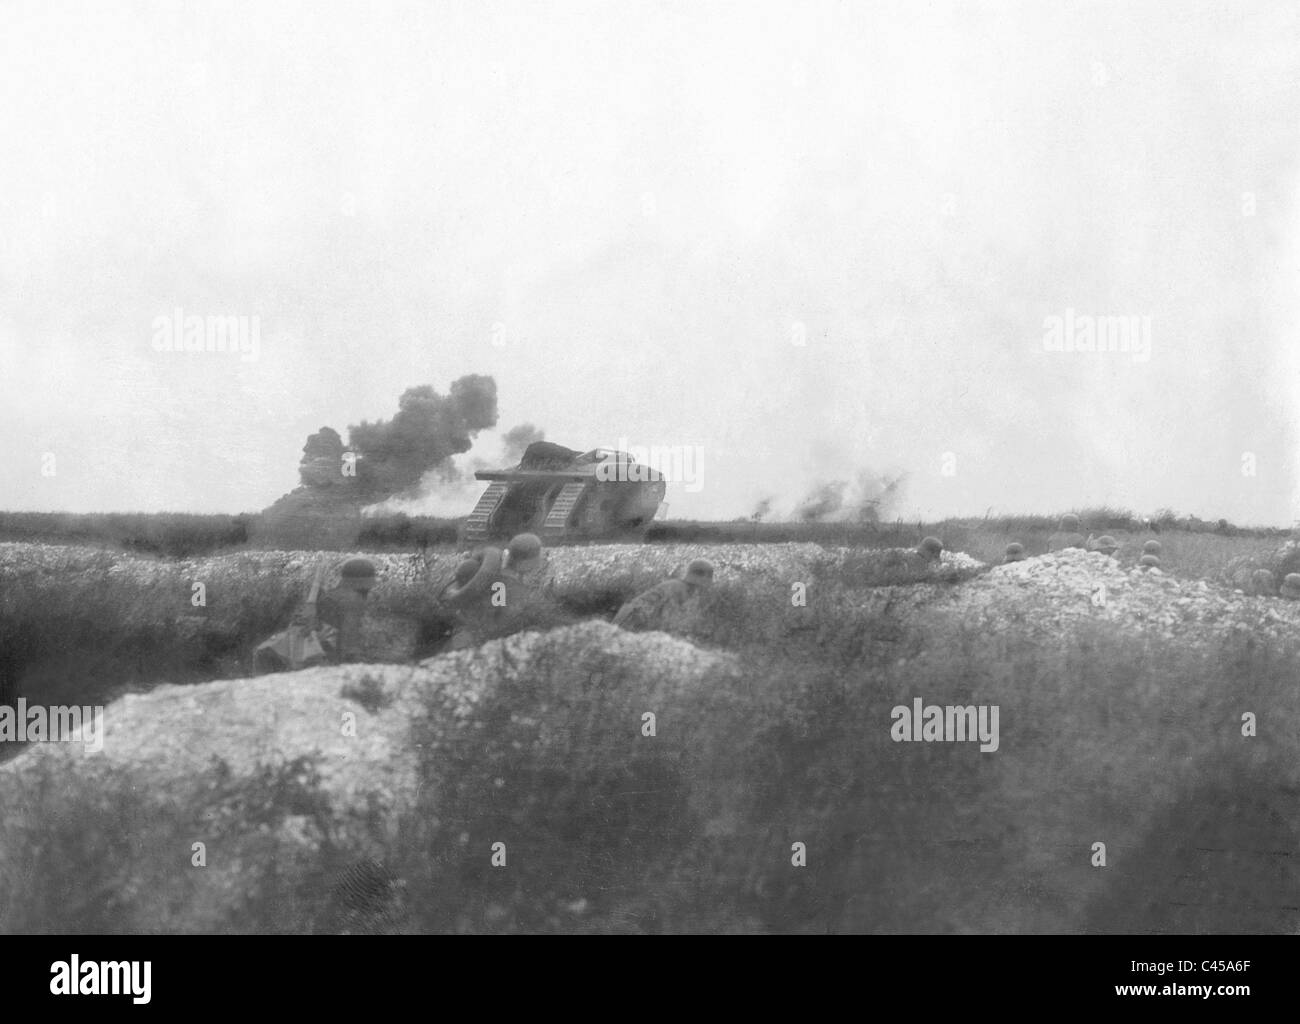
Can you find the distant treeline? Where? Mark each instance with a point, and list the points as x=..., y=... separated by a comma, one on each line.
x=180, y=535
x=162, y=533
x=905, y=533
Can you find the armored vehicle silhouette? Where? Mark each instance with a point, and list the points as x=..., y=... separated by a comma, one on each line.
x=560, y=493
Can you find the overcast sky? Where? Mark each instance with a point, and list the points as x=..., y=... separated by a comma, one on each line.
x=631, y=214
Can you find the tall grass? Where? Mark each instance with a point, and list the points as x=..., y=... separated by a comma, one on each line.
x=117, y=858
x=1107, y=736
x=86, y=636
x=181, y=535
x=1105, y=739
x=172, y=534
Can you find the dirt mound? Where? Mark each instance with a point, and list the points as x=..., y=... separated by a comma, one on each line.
x=1041, y=595
x=288, y=781
x=1049, y=593
x=601, y=565
x=303, y=788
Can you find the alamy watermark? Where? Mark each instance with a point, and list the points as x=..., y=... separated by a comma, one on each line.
x=72, y=977
x=58, y=724
x=677, y=463
x=1076, y=332
x=946, y=724
x=180, y=332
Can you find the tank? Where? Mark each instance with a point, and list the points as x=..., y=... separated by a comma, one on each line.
x=561, y=493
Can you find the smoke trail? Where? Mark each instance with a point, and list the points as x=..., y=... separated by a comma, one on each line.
x=867, y=498
x=517, y=439
x=322, y=459
x=822, y=502
x=395, y=455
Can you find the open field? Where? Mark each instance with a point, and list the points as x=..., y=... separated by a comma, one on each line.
x=1121, y=723
x=180, y=535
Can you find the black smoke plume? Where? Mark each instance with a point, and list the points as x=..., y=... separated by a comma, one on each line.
x=394, y=455
x=322, y=459
x=517, y=439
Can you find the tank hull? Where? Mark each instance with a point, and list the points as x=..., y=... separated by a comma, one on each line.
x=595, y=496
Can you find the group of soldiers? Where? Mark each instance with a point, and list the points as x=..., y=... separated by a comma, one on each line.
x=326, y=627
x=1067, y=536
x=488, y=595
x=491, y=590
x=1262, y=582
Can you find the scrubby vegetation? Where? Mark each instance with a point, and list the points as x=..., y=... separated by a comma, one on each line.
x=1114, y=737
x=174, y=535
x=1104, y=739
x=693, y=831
x=101, y=863
x=91, y=626
x=87, y=634
x=177, y=535
x=90, y=633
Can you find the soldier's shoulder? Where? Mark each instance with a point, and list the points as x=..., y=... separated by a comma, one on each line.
x=662, y=592
x=675, y=588
x=518, y=589
x=669, y=592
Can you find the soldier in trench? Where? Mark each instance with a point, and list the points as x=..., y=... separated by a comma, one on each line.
x=492, y=591
x=325, y=629
x=665, y=605
x=341, y=611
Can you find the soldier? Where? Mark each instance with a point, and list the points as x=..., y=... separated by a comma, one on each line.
x=1290, y=588
x=1067, y=535
x=1106, y=544
x=523, y=555
x=341, y=611
x=522, y=559
x=1262, y=584
x=664, y=604
x=468, y=594
x=465, y=572
x=491, y=590
x=1015, y=552
x=930, y=549
x=324, y=629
